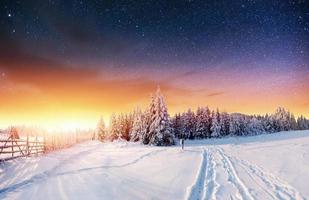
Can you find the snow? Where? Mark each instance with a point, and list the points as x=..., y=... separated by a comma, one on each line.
x=273, y=166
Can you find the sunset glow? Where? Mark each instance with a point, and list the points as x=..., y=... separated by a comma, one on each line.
x=80, y=97
x=55, y=71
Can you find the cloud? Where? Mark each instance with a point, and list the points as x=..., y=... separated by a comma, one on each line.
x=215, y=94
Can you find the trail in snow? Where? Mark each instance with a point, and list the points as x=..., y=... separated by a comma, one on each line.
x=210, y=185
x=234, y=178
x=272, y=185
x=53, y=172
x=205, y=186
x=196, y=190
x=111, y=166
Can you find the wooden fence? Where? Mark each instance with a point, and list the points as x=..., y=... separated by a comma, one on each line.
x=14, y=148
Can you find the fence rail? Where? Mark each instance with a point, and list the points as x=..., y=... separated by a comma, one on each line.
x=15, y=148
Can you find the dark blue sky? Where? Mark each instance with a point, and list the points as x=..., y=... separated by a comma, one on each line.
x=130, y=33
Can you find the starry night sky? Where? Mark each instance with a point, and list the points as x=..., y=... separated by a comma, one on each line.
x=248, y=56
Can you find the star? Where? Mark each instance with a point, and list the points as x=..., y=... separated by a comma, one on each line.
x=9, y=15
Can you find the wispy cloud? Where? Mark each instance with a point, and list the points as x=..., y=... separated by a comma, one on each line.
x=215, y=94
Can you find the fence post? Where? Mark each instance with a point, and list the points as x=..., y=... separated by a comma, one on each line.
x=36, y=145
x=27, y=145
x=44, y=144
x=12, y=147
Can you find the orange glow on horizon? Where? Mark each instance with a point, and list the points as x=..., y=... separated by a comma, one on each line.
x=68, y=99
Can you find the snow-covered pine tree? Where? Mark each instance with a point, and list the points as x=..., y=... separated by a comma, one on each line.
x=113, y=128
x=101, y=130
x=121, y=126
x=189, y=125
x=267, y=122
x=127, y=126
x=254, y=126
x=302, y=123
x=225, y=124
x=160, y=131
x=138, y=128
x=293, y=122
x=202, y=123
x=177, y=125
x=237, y=124
x=148, y=120
x=216, y=125
x=281, y=120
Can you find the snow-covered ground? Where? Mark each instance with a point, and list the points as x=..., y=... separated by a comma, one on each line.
x=262, y=167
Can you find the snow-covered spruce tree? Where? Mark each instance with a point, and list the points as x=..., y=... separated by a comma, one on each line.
x=216, y=125
x=225, y=124
x=254, y=126
x=160, y=130
x=237, y=124
x=127, y=126
x=138, y=129
x=101, y=130
x=267, y=122
x=203, y=123
x=113, y=128
x=293, y=122
x=281, y=120
x=302, y=123
x=148, y=120
x=189, y=125
x=177, y=125
x=119, y=125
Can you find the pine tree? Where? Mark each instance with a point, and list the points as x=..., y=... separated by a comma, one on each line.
x=189, y=125
x=203, y=123
x=177, y=125
x=281, y=120
x=225, y=124
x=216, y=125
x=254, y=126
x=115, y=131
x=148, y=120
x=293, y=122
x=160, y=131
x=137, y=129
x=101, y=130
x=302, y=123
x=127, y=123
x=267, y=122
x=237, y=124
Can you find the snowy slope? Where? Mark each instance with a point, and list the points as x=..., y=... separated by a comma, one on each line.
x=262, y=167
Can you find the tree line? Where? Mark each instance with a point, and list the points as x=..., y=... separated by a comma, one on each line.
x=154, y=126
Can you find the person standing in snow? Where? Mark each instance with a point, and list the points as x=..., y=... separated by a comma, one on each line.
x=182, y=143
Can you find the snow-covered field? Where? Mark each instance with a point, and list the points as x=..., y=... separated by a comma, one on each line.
x=264, y=167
